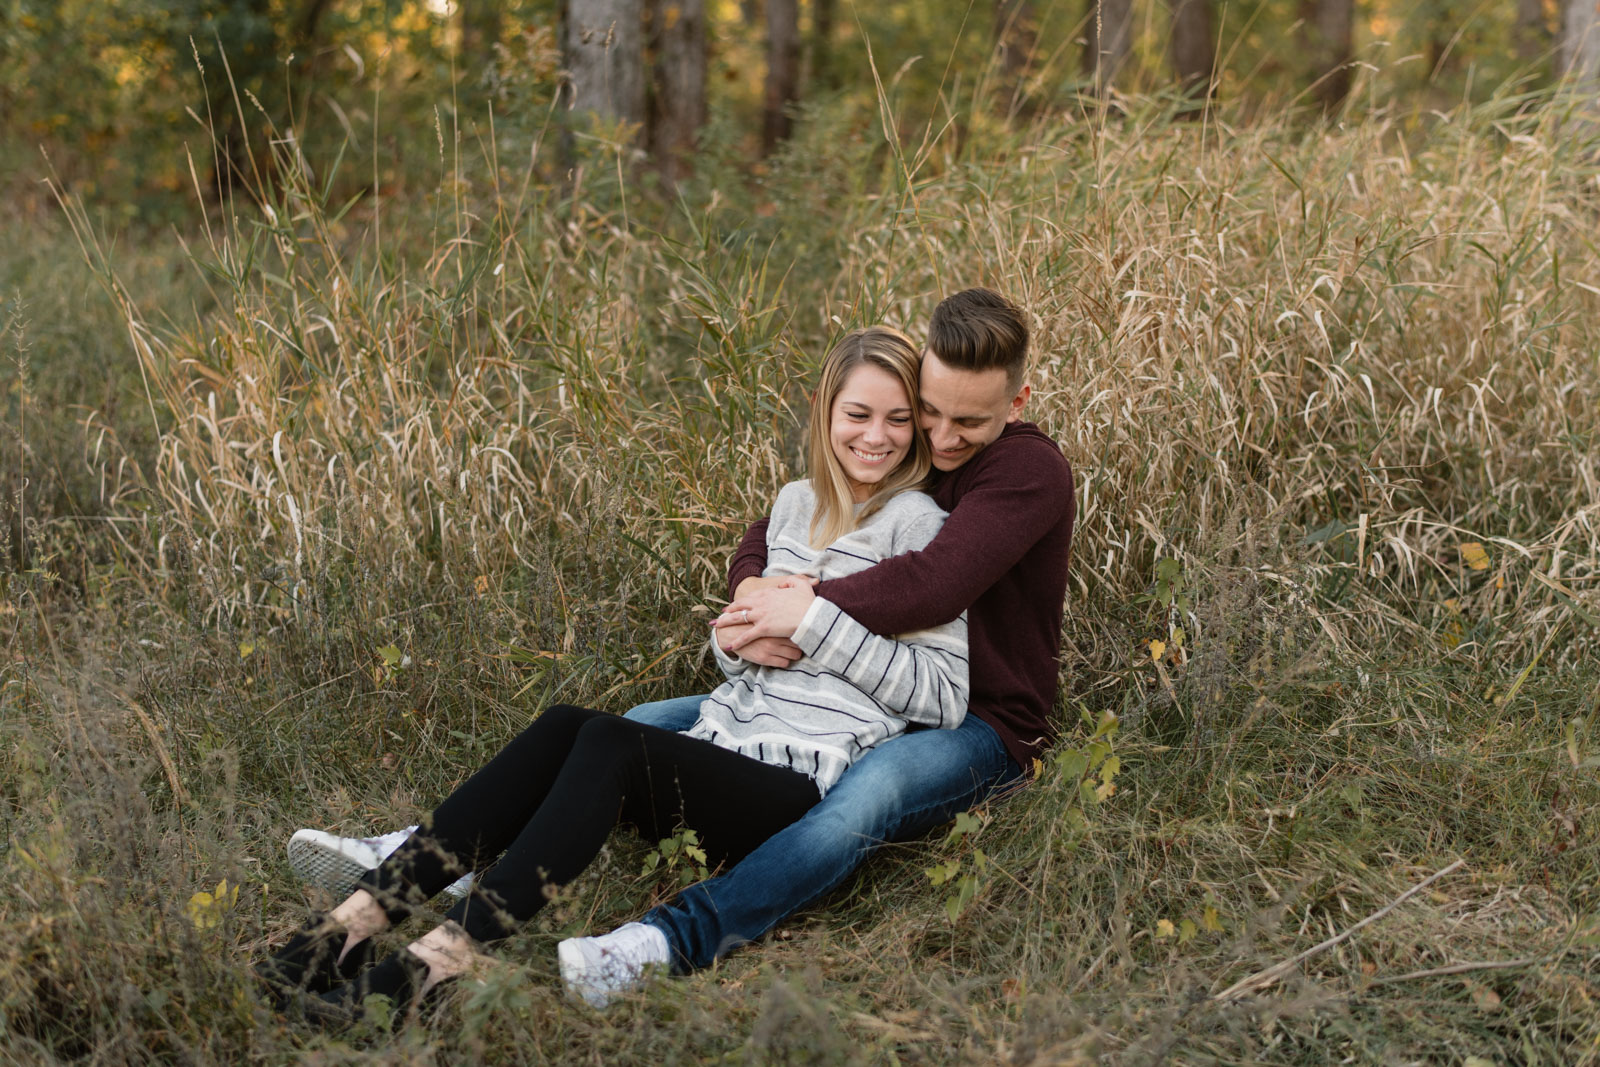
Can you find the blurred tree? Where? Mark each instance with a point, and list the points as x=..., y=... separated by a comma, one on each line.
x=1193, y=53
x=783, y=72
x=1327, y=40
x=1110, y=42
x=1016, y=36
x=602, y=46
x=1532, y=32
x=481, y=23
x=1580, y=42
x=822, y=44
x=678, y=82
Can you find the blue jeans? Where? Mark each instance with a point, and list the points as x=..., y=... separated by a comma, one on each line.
x=898, y=790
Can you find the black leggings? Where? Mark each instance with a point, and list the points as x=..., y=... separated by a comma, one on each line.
x=546, y=802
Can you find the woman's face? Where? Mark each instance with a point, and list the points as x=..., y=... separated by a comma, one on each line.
x=870, y=427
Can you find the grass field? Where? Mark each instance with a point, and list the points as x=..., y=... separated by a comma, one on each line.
x=309, y=506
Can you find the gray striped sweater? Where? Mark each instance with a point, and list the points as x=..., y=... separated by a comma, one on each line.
x=853, y=689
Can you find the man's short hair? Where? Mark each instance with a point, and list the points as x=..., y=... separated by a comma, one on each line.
x=978, y=329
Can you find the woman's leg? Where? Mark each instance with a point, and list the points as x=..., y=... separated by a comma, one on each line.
x=483, y=816
x=654, y=778
x=614, y=768
x=468, y=830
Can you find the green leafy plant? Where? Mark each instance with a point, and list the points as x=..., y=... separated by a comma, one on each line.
x=679, y=858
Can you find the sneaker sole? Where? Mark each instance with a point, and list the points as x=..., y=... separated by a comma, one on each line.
x=324, y=867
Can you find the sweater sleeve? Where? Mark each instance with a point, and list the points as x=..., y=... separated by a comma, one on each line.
x=732, y=666
x=750, y=558
x=920, y=676
x=1009, y=504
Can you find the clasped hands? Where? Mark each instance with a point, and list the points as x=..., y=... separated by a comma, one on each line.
x=758, y=626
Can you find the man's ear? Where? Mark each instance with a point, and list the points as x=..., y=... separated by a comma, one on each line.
x=1014, y=411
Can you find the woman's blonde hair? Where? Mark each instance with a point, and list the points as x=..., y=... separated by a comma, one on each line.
x=889, y=350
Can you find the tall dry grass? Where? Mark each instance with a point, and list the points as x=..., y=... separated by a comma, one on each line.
x=423, y=467
x=1382, y=327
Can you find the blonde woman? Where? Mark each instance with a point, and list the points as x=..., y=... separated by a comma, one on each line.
x=768, y=745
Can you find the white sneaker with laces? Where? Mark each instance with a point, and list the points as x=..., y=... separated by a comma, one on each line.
x=336, y=863
x=595, y=969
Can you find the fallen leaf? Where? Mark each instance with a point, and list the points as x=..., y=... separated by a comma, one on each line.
x=1474, y=556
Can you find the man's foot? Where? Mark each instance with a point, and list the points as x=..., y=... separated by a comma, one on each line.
x=595, y=969
x=336, y=863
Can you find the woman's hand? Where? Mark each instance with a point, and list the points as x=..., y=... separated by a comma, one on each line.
x=766, y=613
x=765, y=651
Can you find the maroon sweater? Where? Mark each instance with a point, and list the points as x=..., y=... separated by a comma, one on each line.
x=1001, y=556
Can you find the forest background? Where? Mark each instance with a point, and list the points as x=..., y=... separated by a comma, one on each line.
x=376, y=374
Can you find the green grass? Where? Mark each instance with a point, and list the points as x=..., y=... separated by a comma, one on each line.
x=510, y=430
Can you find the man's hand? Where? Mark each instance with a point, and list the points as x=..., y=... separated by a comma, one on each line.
x=750, y=585
x=766, y=651
x=766, y=612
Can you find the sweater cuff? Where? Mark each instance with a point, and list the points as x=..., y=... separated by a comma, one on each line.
x=814, y=625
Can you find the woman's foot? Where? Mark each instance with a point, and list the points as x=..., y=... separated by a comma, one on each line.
x=330, y=950
x=315, y=960
x=409, y=978
x=401, y=978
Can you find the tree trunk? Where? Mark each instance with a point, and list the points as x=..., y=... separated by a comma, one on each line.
x=1110, y=42
x=678, y=83
x=602, y=44
x=1192, y=51
x=783, y=71
x=1579, y=57
x=1327, y=29
x=1532, y=34
x=1016, y=35
x=480, y=32
x=822, y=43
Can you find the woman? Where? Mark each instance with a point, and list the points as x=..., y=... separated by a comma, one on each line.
x=767, y=747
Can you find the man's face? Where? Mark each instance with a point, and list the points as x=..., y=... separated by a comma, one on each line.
x=965, y=410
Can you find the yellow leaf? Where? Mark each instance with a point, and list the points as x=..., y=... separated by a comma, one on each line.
x=1210, y=920
x=205, y=910
x=1157, y=649
x=245, y=648
x=1474, y=556
x=1165, y=929
x=481, y=584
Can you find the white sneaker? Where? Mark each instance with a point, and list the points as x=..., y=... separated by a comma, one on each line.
x=336, y=863
x=596, y=969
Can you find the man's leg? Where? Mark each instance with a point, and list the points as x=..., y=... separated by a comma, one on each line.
x=674, y=713
x=901, y=788
x=336, y=863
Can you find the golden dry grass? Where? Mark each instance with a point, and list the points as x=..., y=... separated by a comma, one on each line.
x=510, y=433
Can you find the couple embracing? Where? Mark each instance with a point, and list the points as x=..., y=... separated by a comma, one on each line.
x=891, y=654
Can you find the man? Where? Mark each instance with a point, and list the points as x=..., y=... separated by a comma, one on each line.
x=1001, y=557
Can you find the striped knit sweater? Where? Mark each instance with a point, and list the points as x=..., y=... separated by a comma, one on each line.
x=853, y=689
